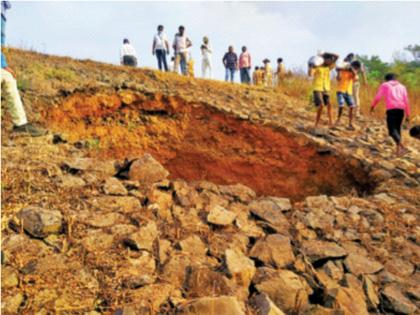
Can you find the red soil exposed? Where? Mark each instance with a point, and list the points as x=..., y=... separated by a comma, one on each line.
x=196, y=142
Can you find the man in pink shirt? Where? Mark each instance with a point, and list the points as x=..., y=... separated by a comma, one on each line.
x=245, y=66
x=396, y=101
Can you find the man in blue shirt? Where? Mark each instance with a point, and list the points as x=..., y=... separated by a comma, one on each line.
x=17, y=111
x=230, y=61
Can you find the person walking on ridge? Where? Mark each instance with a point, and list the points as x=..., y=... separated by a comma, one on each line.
x=206, y=53
x=181, y=45
x=245, y=66
x=397, y=105
x=360, y=72
x=160, y=48
x=230, y=61
x=320, y=68
x=17, y=111
x=128, y=56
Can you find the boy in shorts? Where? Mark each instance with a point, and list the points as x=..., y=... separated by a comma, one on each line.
x=345, y=79
x=322, y=85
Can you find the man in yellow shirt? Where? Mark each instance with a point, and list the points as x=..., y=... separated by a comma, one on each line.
x=345, y=79
x=322, y=85
x=267, y=73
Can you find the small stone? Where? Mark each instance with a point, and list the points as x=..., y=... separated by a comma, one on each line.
x=271, y=212
x=319, y=202
x=399, y=267
x=147, y=170
x=222, y=305
x=262, y=305
x=318, y=250
x=395, y=301
x=70, y=181
x=239, y=192
x=97, y=241
x=40, y=222
x=9, y=278
x=193, y=246
x=220, y=216
x=284, y=204
x=202, y=281
x=144, y=238
x=360, y=265
x=240, y=267
x=113, y=186
x=274, y=250
x=10, y=305
x=333, y=271
x=371, y=293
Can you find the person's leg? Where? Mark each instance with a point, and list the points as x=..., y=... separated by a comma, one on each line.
x=232, y=75
x=226, y=74
x=356, y=91
x=165, y=63
x=340, y=101
x=393, y=120
x=248, y=75
x=350, y=103
x=209, y=66
x=183, y=64
x=16, y=108
x=326, y=99
x=318, y=103
x=158, y=53
x=203, y=68
x=177, y=62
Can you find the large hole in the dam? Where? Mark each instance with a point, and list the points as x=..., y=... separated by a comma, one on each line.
x=201, y=143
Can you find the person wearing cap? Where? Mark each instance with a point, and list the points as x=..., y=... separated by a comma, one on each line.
x=128, y=56
x=206, y=53
x=319, y=68
x=181, y=46
x=8, y=80
x=345, y=78
x=268, y=75
x=160, y=48
x=245, y=66
x=397, y=106
x=230, y=61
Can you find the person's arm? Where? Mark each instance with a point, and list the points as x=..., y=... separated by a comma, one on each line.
x=224, y=60
x=174, y=44
x=377, y=98
x=311, y=71
x=209, y=48
x=249, y=60
x=167, y=45
x=122, y=55
x=189, y=43
x=338, y=75
x=236, y=62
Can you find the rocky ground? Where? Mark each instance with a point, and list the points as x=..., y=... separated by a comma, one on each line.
x=156, y=194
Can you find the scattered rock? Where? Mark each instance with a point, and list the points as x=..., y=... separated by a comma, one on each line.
x=144, y=238
x=113, y=186
x=371, y=293
x=361, y=265
x=193, y=246
x=11, y=304
x=317, y=250
x=395, y=301
x=116, y=203
x=319, y=202
x=287, y=290
x=399, y=267
x=9, y=278
x=240, y=267
x=40, y=222
x=222, y=305
x=262, y=305
x=147, y=170
x=274, y=250
x=70, y=181
x=202, y=281
x=350, y=301
x=270, y=211
x=239, y=192
x=220, y=216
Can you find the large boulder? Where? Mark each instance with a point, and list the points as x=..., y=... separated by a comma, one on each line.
x=147, y=170
x=274, y=250
x=240, y=267
x=286, y=289
x=262, y=305
x=40, y=222
x=220, y=216
x=350, y=301
x=270, y=211
x=317, y=250
x=396, y=302
x=222, y=305
x=360, y=265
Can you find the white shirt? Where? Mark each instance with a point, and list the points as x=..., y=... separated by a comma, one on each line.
x=206, y=52
x=160, y=41
x=127, y=50
x=180, y=43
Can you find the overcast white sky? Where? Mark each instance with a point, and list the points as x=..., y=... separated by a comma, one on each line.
x=292, y=30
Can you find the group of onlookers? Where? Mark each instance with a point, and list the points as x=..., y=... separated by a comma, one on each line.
x=182, y=61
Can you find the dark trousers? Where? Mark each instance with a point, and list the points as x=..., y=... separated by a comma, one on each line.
x=161, y=58
x=245, y=76
x=394, y=119
x=130, y=61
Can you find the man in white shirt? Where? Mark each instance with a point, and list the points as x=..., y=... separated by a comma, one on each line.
x=180, y=45
x=206, y=61
x=128, y=56
x=161, y=48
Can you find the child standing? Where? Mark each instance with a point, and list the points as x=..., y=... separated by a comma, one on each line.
x=345, y=78
x=322, y=84
x=396, y=101
x=281, y=71
x=268, y=76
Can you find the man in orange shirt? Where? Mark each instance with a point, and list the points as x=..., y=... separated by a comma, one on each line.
x=345, y=78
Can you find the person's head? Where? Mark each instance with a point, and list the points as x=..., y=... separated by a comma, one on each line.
x=160, y=28
x=256, y=68
x=265, y=61
x=205, y=40
x=181, y=29
x=390, y=77
x=126, y=41
x=230, y=49
x=243, y=48
x=356, y=65
x=328, y=60
x=279, y=60
x=415, y=132
x=349, y=57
